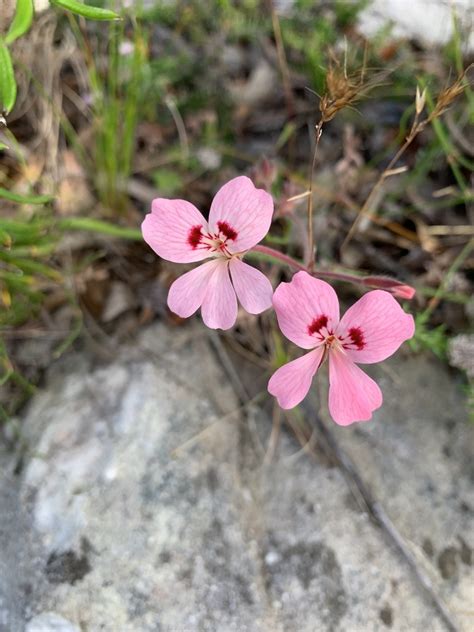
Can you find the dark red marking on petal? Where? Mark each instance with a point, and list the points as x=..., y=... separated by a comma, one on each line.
x=357, y=337
x=317, y=324
x=194, y=236
x=227, y=230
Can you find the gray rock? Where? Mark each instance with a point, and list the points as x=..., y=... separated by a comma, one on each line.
x=410, y=17
x=418, y=457
x=150, y=506
x=10, y=600
x=16, y=574
x=461, y=353
x=50, y=622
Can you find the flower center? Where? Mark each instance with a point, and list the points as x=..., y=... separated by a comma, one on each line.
x=216, y=242
x=354, y=339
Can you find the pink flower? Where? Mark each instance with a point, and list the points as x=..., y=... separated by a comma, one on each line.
x=370, y=331
x=239, y=218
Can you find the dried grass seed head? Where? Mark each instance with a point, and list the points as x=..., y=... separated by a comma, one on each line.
x=449, y=94
x=343, y=90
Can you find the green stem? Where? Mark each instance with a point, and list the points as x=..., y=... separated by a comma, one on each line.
x=457, y=263
x=452, y=156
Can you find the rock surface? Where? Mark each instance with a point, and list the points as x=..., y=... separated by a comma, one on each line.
x=461, y=353
x=144, y=505
x=428, y=21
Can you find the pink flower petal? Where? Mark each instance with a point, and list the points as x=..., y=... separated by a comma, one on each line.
x=241, y=208
x=187, y=293
x=172, y=230
x=353, y=395
x=253, y=289
x=374, y=327
x=291, y=382
x=219, y=307
x=303, y=307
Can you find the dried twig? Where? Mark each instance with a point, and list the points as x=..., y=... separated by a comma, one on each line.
x=283, y=63
x=444, y=100
x=311, y=248
x=342, y=91
x=274, y=436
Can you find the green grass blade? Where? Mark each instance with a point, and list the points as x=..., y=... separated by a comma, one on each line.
x=452, y=156
x=25, y=199
x=7, y=79
x=29, y=266
x=21, y=22
x=457, y=263
x=98, y=226
x=92, y=13
x=5, y=238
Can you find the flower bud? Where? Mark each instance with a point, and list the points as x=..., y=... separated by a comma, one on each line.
x=420, y=100
x=398, y=289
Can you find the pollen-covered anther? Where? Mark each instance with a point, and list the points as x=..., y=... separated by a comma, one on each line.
x=215, y=242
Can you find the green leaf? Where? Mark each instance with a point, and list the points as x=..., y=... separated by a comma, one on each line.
x=99, y=226
x=7, y=79
x=3, y=146
x=21, y=22
x=5, y=239
x=167, y=182
x=92, y=13
x=25, y=199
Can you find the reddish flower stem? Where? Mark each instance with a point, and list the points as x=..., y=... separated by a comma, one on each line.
x=337, y=276
x=271, y=252
x=391, y=285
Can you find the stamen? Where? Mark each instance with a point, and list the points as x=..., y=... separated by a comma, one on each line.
x=215, y=243
x=330, y=339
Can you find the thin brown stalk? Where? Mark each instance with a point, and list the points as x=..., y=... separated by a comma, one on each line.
x=342, y=91
x=311, y=248
x=283, y=63
x=274, y=436
x=366, y=209
x=443, y=102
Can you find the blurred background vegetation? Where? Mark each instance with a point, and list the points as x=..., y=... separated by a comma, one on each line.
x=176, y=98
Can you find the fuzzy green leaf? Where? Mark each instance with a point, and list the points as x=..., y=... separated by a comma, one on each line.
x=25, y=199
x=98, y=226
x=21, y=22
x=92, y=13
x=7, y=80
